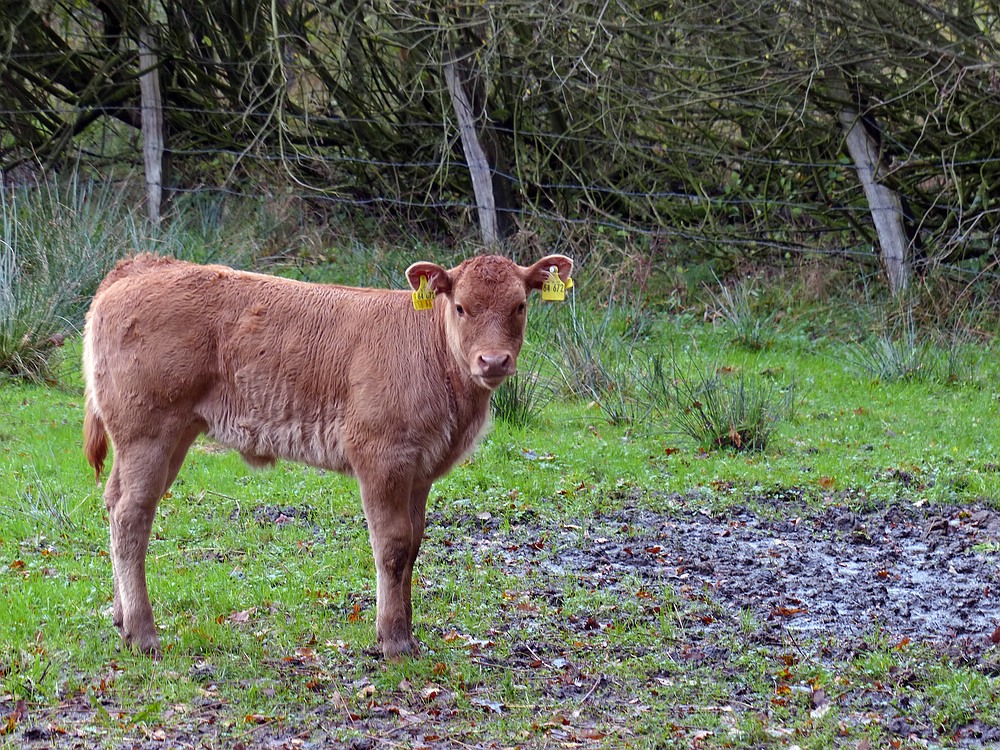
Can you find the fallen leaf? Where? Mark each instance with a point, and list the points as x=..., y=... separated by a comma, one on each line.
x=242, y=616
x=430, y=692
x=11, y=722
x=490, y=707
x=783, y=611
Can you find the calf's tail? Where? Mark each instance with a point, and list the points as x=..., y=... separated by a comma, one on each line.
x=95, y=438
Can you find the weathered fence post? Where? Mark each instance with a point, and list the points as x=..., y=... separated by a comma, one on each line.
x=493, y=227
x=883, y=202
x=152, y=125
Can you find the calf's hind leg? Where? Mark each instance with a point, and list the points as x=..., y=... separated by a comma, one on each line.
x=418, y=516
x=143, y=470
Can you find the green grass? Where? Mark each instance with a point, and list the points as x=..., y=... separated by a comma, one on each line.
x=264, y=589
x=269, y=627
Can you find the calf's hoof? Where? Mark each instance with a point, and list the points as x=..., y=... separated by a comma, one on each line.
x=399, y=648
x=143, y=643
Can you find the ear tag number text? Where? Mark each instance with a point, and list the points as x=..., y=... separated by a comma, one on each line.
x=553, y=288
x=423, y=298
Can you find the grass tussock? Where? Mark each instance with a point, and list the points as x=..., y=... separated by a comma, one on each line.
x=740, y=307
x=59, y=239
x=56, y=242
x=520, y=398
x=720, y=408
x=599, y=357
x=899, y=349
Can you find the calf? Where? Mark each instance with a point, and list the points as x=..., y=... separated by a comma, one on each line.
x=353, y=380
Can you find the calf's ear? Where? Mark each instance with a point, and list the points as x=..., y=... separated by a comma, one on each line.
x=536, y=274
x=438, y=278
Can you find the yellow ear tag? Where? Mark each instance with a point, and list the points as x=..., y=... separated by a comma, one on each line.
x=553, y=289
x=423, y=298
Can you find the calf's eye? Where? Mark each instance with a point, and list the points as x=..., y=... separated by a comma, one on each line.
x=520, y=308
x=460, y=310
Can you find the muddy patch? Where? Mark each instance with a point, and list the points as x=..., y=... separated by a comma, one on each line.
x=927, y=574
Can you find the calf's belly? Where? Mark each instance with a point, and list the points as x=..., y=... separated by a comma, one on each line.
x=261, y=442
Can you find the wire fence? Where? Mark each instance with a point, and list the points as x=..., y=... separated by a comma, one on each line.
x=709, y=127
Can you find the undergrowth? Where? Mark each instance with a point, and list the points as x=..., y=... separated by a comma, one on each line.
x=58, y=239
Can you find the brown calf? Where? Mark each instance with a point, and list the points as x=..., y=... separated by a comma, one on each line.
x=353, y=380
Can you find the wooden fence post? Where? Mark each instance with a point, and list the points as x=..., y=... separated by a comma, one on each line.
x=883, y=202
x=475, y=156
x=152, y=125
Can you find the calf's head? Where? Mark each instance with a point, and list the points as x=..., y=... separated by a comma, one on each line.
x=483, y=304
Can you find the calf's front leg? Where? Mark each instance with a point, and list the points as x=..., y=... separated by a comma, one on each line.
x=418, y=517
x=391, y=530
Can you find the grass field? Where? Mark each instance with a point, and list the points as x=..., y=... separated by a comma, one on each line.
x=554, y=602
x=610, y=569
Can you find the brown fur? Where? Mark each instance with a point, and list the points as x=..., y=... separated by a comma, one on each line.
x=352, y=380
